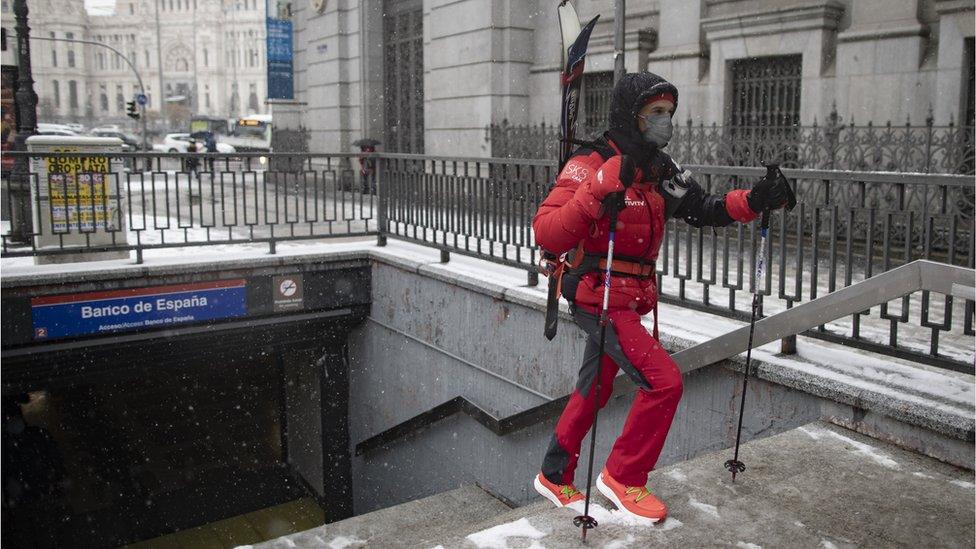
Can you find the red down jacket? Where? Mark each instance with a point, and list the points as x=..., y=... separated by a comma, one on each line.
x=570, y=214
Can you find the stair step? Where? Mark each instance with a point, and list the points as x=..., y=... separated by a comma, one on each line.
x=406, y=525
x=816, y=486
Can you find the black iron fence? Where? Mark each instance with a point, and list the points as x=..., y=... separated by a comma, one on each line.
x=847, y=226
x=83, y=203
x=834, y=146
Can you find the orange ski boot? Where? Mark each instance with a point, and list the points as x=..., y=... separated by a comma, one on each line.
x=560, y=494
x=636, y=501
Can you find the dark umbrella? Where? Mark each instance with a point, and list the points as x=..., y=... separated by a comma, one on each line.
x=365, y=143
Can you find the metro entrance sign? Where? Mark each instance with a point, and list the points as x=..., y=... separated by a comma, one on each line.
x=131, y=309
x=142, y=99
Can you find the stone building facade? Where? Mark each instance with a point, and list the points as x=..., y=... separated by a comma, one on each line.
x=430, y=75
x=212, y=55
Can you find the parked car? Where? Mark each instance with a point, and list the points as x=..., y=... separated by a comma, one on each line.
x=54, y=129
x=130, y=143
x=177, y=142
x=77, y=128
x=107, y=128
x=57, y=131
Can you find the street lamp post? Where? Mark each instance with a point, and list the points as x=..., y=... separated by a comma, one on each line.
x=21, y=223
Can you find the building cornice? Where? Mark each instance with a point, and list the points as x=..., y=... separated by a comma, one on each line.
x=949, y=7
x=672, y=54
x=882, y=33
x=824, y=15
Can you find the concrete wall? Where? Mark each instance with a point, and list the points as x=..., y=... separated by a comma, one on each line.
x=328, y=73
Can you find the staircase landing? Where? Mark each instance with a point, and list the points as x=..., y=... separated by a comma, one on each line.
x=816, y=486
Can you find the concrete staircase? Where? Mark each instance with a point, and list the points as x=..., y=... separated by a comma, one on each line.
x=815, y=486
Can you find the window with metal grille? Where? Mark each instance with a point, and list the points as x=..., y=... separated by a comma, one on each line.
x=764, y=109
x=597, y=90
x=766, y=91
x=403, y=70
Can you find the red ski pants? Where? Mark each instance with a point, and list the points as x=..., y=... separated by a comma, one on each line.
x=629, y=347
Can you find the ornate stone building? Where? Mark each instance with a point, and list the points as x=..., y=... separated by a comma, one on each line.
x=212, y=55
x=430, y=75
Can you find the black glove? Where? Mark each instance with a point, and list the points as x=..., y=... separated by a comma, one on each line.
x=769, y=193
x=628, y=173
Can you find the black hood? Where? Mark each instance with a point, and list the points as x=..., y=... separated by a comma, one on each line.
x=629, y=96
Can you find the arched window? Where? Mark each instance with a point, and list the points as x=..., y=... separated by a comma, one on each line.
x=103, y=101
x=57, y=94
x=206, y=58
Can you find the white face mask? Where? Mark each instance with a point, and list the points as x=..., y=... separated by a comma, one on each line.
x=658, y=129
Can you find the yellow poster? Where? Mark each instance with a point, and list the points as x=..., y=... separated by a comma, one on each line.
x=77, y=187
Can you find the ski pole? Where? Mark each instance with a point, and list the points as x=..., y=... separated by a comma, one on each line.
x=585, y=520
x=772, y=170
x=734, y=465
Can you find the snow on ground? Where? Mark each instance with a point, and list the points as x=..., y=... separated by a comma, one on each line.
x=497, y=537
x=677, y=475
x=704, y=507
x=867, y=450
x=615, y=516
x=620, y=543
x=827, y=544
x=963, y=483
x=341, y=542
x=744, y=545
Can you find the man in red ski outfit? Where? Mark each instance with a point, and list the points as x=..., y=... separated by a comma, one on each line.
x=626, y=159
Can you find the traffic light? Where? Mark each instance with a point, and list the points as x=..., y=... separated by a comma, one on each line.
x=131, y=110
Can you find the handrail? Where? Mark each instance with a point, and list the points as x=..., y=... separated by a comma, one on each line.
x=919, y=275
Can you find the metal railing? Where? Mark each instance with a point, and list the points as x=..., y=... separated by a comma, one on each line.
x=169, y=200
x=847, y=227
x=918, y=276
x=834, y=146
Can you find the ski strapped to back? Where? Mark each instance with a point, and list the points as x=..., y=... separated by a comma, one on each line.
x=574, y=41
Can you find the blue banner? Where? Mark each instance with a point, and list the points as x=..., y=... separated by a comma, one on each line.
x=281, y=84
x=137, y=308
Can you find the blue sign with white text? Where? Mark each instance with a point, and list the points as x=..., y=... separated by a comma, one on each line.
x=131, y=309
x=281, y=83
